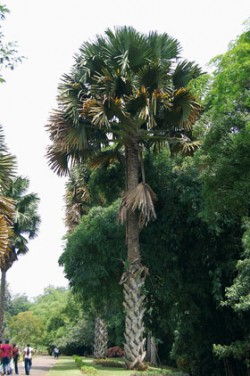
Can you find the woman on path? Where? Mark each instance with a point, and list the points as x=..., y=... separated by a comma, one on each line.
x=27, y=357
x=15, y=354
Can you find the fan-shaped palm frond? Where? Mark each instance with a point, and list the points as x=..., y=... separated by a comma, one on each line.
x=183, y=145
x=5, y=234
x=77, y=196
x=26, y=220
x=163, y=47
x=106, y=157
x=7, y=212
x=7, y=162
x=184, y=72
x=185, y=110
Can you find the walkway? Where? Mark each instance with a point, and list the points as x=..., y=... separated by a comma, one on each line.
x=40, y=366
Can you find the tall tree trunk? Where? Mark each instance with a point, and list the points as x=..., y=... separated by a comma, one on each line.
x=134, y=276
x=101, y=339
x=2, y=301
x=153, y=358
x=151, y=350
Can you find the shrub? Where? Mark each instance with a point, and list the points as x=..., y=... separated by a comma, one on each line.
x=88, y=370
x=115, y=352
x=183, y=363
x=78, y=361
x=109, y=363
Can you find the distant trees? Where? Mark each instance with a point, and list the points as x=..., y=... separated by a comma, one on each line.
x=56, y=317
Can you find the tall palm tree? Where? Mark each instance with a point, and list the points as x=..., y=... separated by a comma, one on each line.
x=7, y=210
x=126, y=90
x=25, y=226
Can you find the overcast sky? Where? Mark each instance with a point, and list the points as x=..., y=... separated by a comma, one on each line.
x=49, y=33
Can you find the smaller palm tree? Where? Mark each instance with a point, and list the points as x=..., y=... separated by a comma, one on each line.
x=26, y=223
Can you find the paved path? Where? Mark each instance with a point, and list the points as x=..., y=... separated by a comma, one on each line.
x=40, y=365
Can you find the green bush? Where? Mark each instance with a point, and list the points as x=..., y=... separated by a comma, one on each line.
x=88, y=370
x=78, y=361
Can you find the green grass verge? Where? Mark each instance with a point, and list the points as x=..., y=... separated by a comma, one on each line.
x=65, y=366
x=105, y=370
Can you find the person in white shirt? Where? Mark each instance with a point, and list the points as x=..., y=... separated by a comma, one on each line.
x=27, y=357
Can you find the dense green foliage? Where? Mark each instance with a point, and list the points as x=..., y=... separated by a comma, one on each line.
x=225, y=153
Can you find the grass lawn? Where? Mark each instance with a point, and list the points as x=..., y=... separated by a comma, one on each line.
x=69, y=368
x=65, y=366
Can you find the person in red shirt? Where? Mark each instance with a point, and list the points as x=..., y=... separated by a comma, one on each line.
x=6, y=355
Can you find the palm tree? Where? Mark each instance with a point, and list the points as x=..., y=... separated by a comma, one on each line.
x=77, y=198
x=25, y=226
x=7, y=210
x=126, y=90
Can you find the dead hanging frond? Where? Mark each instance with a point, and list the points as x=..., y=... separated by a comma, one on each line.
x=142, y=199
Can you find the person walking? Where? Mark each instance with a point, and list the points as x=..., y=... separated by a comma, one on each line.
x=6, y=350
x=15, y=354
x=27, y=357
x=56, y=352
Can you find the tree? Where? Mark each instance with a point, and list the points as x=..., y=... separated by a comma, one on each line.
x=7, y=212
x=126, y=90
x=224, y=162
x=25, y=225
x=8, y=51
x=237, y=297
x=26, y=328
x=96, y=264
x=85, y=189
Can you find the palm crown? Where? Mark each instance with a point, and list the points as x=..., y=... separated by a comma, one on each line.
x=125, y=87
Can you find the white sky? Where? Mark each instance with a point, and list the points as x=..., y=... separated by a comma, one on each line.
x=49, y=33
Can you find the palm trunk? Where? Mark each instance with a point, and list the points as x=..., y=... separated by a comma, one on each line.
x=2, y=301
x=101, y=339
x=133, y=278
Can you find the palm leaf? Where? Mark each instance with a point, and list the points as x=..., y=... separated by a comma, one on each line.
x=106, y=157
x=184, y=72
x=4, y=235
x=163, y=47
x=185, y=110
x=183, y=145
